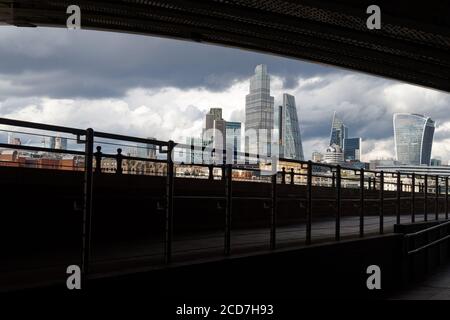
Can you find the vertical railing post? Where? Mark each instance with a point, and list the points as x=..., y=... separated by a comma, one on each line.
x=273, y=218
x=413, y=198
x=87, y=206
x=98, y=160
x=309, y=203
x=425, y=190
x=381, y=202
x=283, y=175
x=224, y=173
x=169, y=203
x=338, y=203
x=119, y=160
x=361, y=203
x=228, y=209
x=399, y=194
x=446, y=197
x=210, y=172
x=436, y=200
x=292, y=175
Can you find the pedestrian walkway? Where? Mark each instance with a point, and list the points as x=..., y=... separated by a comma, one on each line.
x=435, y=287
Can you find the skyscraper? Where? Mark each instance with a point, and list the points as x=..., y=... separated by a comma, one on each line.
x=413, y=136
x=339, y=132
x=195, y=154
x=289, y=130
x=352, y=149
x=215, y=128
x=233, y=139
x=60, y=143
x=259, y=110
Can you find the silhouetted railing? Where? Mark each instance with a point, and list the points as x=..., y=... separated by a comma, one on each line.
x=384, y=189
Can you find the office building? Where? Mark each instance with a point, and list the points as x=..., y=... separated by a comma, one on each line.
x=60, y=143
x=339, y=132
x=233, y=140
x=259, y=112
x=334, y=155
x=290, y=142
x=352, y=149
x=413, y=135
x=215, y=129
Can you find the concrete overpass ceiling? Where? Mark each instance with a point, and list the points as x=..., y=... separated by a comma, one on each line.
x=413, y=44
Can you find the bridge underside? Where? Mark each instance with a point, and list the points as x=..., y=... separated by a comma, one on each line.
x=413, y=44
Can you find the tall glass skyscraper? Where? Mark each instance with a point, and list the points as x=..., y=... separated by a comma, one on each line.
x=413, y=134
x=259, y=110
x=233, y=139
x=289, y=130
x=352, y=149
x=339, y=132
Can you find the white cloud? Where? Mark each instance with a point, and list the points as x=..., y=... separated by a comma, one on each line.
x=377, y=149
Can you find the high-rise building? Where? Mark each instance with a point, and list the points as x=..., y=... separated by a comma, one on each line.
x=195, y=154
x=352, y=149
x=49, y=142
x=215, y=128
x=211, y=116
x=144, y=150
x=339, y=132
x=413, y=136
x=259, y=112
x=60, y=143
x=151, y=149
x=290, y=141
x=334, y=155
x=233, y=139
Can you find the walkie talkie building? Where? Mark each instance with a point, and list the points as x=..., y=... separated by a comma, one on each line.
x=413, y=134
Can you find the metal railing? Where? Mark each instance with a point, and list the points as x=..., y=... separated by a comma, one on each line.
x=374, y=187
x=444, y=235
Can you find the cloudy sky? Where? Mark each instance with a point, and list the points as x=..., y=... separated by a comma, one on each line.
x=162, y=88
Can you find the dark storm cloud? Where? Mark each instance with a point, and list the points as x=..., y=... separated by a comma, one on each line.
x=63, y=63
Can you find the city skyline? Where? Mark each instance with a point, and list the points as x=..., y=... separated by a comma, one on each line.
x=142, y=99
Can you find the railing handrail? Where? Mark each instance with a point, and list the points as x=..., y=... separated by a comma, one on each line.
x=418, y=233
x=248, y=156
x=41, y=126
x=121, y=137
